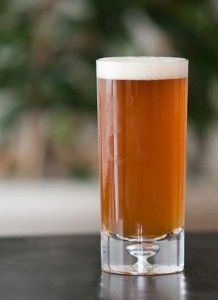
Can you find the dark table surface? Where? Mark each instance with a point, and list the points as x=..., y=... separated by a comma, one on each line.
x=68, y=267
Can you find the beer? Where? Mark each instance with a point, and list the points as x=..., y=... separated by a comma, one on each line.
x=142, y=150
x=142, y=117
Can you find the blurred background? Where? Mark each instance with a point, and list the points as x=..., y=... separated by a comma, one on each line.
x=48, y=128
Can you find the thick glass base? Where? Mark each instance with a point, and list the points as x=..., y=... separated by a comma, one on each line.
x=143, y=256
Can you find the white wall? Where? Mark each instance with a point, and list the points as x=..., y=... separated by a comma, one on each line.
x=48, y=207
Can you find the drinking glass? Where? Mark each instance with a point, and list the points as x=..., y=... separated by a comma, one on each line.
x=142, y=120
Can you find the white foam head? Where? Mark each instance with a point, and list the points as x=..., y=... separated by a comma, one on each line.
x=142, y=68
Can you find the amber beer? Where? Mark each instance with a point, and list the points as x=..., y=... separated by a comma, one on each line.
x=142, y=105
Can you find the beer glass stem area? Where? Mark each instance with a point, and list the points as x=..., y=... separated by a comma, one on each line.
x=142, y=251
x=142, y=119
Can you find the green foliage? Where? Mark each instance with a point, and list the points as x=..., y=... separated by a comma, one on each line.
x=48, y=49
x=39, y=58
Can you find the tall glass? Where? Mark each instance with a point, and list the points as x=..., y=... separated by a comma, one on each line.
x=142, y=117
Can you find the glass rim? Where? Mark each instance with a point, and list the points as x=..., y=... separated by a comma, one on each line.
x=142, y=59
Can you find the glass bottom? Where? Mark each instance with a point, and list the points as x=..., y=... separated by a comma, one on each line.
x=143, y=256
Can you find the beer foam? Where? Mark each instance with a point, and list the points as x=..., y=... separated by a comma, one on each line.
x=142, y=68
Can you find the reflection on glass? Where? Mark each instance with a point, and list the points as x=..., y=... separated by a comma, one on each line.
x=168, y=287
